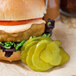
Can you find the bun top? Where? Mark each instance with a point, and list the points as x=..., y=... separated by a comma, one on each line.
x=15, y=10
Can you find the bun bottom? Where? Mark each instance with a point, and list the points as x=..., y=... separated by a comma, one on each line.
x=14, y=57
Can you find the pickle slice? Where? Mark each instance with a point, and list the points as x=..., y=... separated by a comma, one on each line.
x=24, y=52
x=28, y=42
x=58, y=42
x=31, y=40
x=37, y=62
x=52, y=54
x=45, y=38
x=37, y=39
x=29, y=58
x=65, y=56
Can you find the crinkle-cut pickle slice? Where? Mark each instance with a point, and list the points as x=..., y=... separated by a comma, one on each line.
x=25, y=51
x=31, y=40
x=52, y=54
x=65, y=56
x=58, y=42
x=45, y=38
x=37, y=62
x=37, y=39
x=29, y=58
x=27, y=42
x=34, y=39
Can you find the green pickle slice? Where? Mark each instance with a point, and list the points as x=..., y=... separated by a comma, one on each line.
x=58, y=42
x=37, y=62
x=28, y=42
x=45, y=38
x=25, y=51
x=31, y=40
x=37, y=39
x=65, y=56
x=52, y=54
x=29, y=58
x=43, y=53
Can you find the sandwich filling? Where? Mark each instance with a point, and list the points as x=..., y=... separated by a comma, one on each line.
x=15, y=28
x=10, y=47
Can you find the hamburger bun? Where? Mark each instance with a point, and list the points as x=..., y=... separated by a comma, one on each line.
x=14, y=57
x=15, y=10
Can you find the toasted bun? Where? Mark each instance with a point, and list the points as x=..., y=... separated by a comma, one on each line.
x=14, y=10
x=14, y=57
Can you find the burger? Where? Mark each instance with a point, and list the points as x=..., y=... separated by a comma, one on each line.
x=23, y=35
x=19, y=20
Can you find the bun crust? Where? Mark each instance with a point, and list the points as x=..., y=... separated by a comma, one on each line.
x=14, y=57
x=15, y=10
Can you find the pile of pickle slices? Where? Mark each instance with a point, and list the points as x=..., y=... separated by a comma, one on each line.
x=43, y=53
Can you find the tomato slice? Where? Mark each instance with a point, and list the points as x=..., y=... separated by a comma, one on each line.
x=17, y=23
